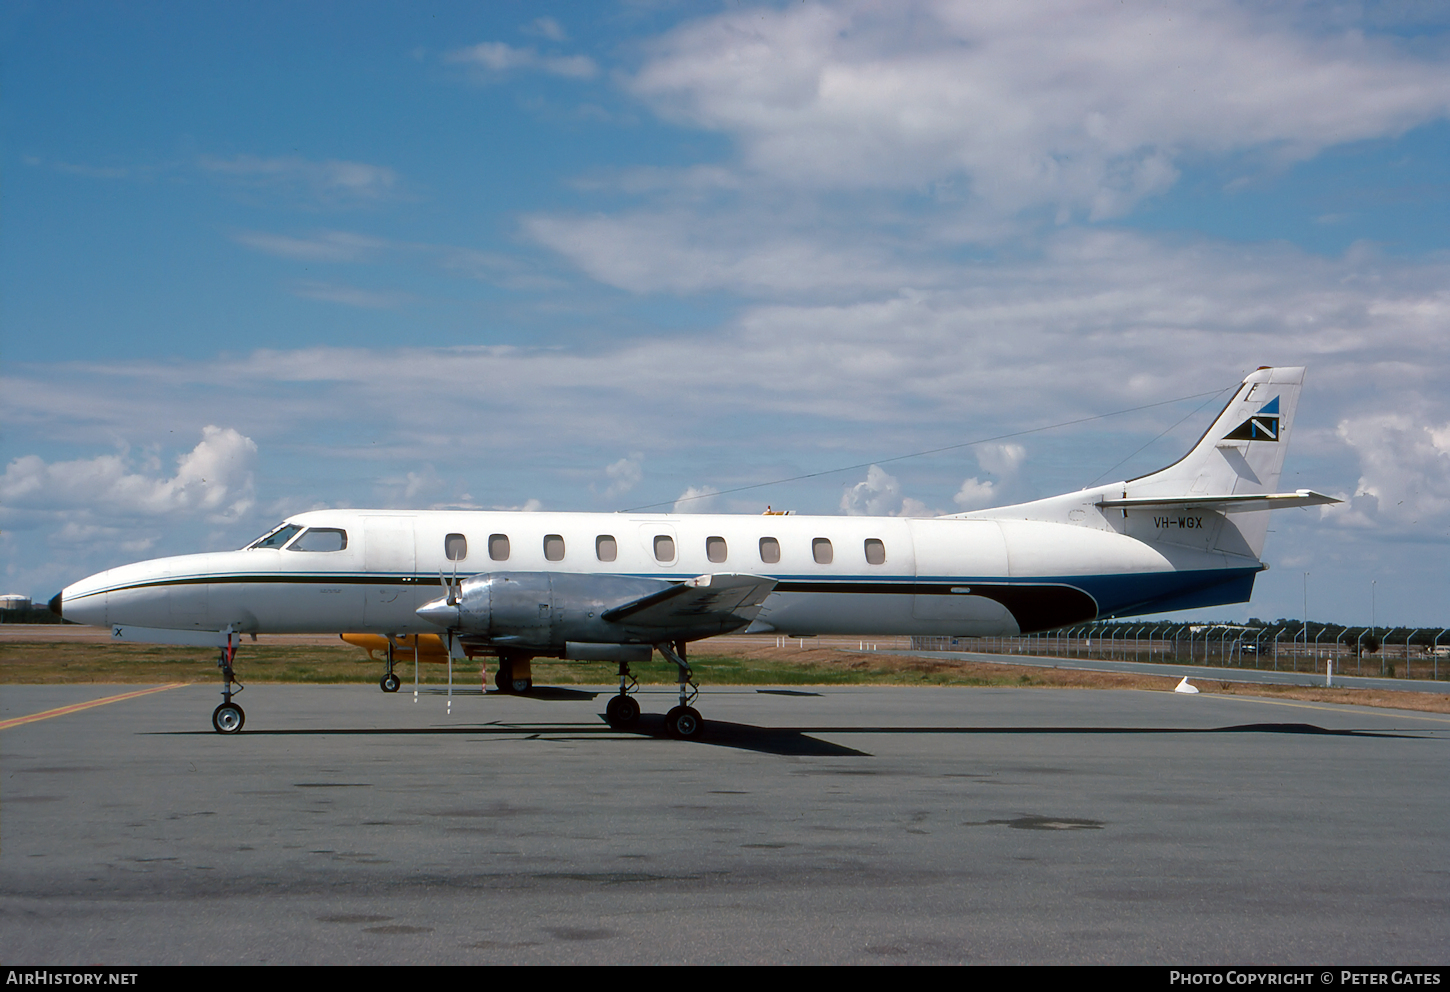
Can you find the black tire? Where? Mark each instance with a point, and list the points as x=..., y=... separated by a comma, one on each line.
x=683, y=723
x=503, y=678
x=228, y=718
x=390, y=683
x=622, y=712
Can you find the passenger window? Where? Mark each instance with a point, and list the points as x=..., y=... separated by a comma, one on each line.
x=769, y=550
x=498, y=547
x=821, y=550
x=715, y=549
x=455, y=547
x=606, y=548
x=553, y=547
x=875, y=552
x=664, y=547
x=320, y=539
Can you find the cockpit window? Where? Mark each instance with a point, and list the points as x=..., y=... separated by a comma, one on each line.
x=276, y=538
x=320, y=539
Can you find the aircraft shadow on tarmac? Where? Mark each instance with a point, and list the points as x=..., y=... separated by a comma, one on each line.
x=547, y=693
x=788, y=741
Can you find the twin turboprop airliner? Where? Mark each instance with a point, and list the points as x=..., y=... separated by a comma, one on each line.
x=620, y=586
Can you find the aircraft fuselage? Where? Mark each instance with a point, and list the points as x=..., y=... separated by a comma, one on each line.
x=834, y=574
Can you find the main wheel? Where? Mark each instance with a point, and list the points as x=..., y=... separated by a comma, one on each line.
x=622, y=711
x=520, y=686
x=390, y=683
x=228, y=718
x=683, y=723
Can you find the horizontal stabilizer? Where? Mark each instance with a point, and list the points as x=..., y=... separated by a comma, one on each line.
x=1226, y=504
x=722, y=601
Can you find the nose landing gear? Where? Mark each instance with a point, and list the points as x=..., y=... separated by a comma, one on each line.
x=390, y=681
x=228, y=717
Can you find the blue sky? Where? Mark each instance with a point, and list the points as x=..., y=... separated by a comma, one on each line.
x=594, y=256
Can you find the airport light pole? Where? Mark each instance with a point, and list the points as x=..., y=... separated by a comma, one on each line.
x=1372, y=624
x=1306, y=617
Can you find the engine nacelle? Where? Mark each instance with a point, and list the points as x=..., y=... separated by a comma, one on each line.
x=542, y=610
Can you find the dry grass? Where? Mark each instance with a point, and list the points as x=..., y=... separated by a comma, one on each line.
x=739, y=661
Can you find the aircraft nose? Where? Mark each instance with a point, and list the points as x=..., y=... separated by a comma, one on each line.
x=439, y=613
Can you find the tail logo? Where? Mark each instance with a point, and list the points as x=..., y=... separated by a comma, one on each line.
x=1262, y=426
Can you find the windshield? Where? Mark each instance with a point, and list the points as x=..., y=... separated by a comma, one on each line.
x=276, y=537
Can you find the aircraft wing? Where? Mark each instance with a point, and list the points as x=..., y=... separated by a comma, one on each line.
x=1227, y=504
x=707, y=603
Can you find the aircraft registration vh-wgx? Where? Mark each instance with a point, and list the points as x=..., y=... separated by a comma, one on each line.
x=620, y=586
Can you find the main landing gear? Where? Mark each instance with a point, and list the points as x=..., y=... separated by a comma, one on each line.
x=228, y=717
x=622, y=711
x=515, y=674
x=683, y=722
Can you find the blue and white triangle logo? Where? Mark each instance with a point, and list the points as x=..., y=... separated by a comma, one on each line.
x=1262, y=426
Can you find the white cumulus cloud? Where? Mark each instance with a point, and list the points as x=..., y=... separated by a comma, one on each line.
x=213, y=480
x=1079, y=105
x=697, y=499
x=879, y=495
x=1404, y=482
x=624, y=475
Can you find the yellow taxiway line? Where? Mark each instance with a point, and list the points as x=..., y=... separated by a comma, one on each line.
x=77, y=707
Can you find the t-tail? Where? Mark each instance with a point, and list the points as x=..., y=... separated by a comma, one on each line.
x=1211, y=500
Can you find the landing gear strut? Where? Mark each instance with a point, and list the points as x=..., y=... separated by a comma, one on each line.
x=390, y=682
x=228, y=717
x=622, y=711
x=683, y=722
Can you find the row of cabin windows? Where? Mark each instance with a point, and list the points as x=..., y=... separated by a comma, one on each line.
x=606, y=548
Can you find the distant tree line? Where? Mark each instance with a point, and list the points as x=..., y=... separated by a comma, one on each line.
x=33, y=613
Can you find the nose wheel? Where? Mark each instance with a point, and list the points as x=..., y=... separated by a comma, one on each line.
x=390, y=681
x=228, y=718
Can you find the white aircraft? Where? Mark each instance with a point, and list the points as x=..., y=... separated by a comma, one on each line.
x=619, y=586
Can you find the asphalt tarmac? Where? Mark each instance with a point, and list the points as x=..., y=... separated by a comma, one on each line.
x=838, y=825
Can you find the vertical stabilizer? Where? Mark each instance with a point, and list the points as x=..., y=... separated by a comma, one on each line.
x=1242, y=453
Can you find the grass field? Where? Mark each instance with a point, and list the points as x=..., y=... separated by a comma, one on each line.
x=59, y=661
